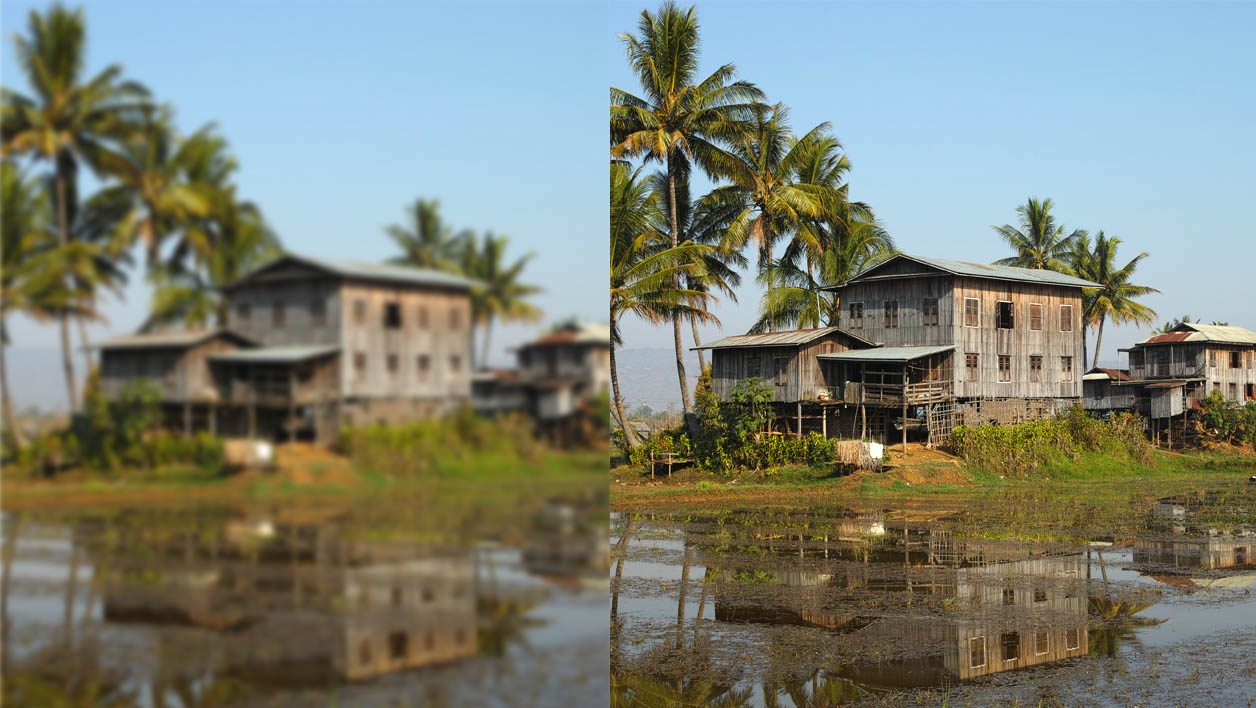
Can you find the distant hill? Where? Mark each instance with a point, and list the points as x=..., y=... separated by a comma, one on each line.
x=648, y=377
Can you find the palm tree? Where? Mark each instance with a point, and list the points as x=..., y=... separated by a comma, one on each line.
x=1040, y=242
x=767, y=185
x=1115, y=299
x=27, y=235
x=498, y=293
x=680, y=121
x=68, y=120
x=427, y=242
x=1172, y=324
x=647, y=272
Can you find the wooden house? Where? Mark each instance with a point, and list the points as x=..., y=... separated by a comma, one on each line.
x=312, y=345
x=1104, y=390
x=1199, y=359
x=565, y=369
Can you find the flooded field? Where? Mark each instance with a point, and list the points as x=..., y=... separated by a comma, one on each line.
x=955, y=600
x=297, y=604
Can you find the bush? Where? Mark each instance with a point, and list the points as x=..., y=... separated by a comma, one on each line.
x=431, y=446
x=1027, y=448
x=1229, y=421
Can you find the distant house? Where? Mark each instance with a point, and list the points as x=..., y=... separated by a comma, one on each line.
x=312, y=345
x=1104, y=390
x=926, y=343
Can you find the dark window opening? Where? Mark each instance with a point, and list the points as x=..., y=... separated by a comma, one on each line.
x=393, y=364
x=359, y=365
x=1009, y=596
x=929, y=312
x=1066, y=368
x=425, y=366
x=455, y=362
x=891, y=313
x=392, y=315
x=243, y=314
x=1035, y=369
x=1011, y=646
x=754, y=367
x=1040, y=594
x=1236, y=360
x=398, y=645
x=780, y=365
x=359, y=311
x=1005, y=368
x=1003, y=315
x=856, y=314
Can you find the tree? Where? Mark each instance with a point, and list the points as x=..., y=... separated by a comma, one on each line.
x=770, y=183
x=498, y=294
x=68, y=120
x=427, y=242
x=647, y=272
x=1173, y=324
x=680, y=120
x=1040, y=242
x=1115, y=298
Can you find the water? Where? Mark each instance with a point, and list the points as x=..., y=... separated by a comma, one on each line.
x=291, y=604
x=828, y=605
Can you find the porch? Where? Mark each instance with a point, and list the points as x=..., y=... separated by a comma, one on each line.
x=889, y=376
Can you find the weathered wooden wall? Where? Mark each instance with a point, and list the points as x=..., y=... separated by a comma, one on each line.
x=182, y=374
x=803, y=377
x=1206, y=360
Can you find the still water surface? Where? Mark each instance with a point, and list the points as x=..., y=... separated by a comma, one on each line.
x=287, y=605
x=828, y=606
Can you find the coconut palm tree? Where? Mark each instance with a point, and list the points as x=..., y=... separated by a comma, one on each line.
x=1172, y=324
x=679, y=120
x=69, y=120
x=427, y=242
x=1115, y=299
x=647, y=273
x=1039, y=242
x=498, y=293
x=767, y=184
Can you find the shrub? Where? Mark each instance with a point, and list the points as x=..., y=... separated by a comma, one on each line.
x=432, y=446
x=1229, y=421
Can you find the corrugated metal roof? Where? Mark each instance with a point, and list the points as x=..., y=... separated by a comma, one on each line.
x=176, y=339
x=791, y=338
x=377, y=272
x=1196, y=332
x=1114, y=374
x=583, y=333
x=276, y=355
x=887, y=353
x=986, y=270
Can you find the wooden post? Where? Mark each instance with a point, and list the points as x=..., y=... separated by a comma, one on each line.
x=799, y=414
x=292, y=404
x=187, y=418
x=212, y=411
x=904, y=408
x=824, y=422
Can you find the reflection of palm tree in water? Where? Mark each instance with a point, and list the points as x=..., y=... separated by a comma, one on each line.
x=820, y=690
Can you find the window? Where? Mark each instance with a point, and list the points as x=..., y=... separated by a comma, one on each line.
x=972, y=312
x=1212, y=358
x=398, y=645
x=976, y=652
x=970, y=367
x=1066, y=318
x=891, y=313
x=243, y=314
x=425, y=366
x=1234, y=392
x=1005, y=368
x=929, y=312
x=392, y=315
x=1009, y=596
x=1251, y=359
x=1072, y=639
x=780, y=366
x=429, y=595
x=1035, y=368
x=359, y=365
x=1040, y=594
x=1003, y=314
x=359, y=311
x=397, y=597
x=424, y=320
x=277, y=315
x=1236, y=360
x=393, y=364
x=455, y=318
x=1035, y=315
x=856, y=314
x=364, y=652
x=754, y=366
x=1011, y=646
x=429, y=641
x=455, y=362
x=1042, y=643
x=1216, y=386
x=1251, y=392
x=1066, y=368
x=318, y=313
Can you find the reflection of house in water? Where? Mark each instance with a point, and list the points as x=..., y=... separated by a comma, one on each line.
x=299, y=603
x=1188, y=542
x=566, y=548
x=1008, y=605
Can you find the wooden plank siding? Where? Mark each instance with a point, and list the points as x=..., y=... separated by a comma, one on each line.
x=802, y=377
x=1211, y=361
x=182, y=374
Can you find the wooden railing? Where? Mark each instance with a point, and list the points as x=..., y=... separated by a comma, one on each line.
x=923, y=392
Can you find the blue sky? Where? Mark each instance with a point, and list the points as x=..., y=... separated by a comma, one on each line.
x=1136, y=118
x=342, y=113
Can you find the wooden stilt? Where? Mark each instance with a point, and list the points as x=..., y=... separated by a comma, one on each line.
x=824, y=422
x=187, y=418
x=904, y=408
x=798, y=413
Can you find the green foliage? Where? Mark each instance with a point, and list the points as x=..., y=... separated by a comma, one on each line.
x=1229, y=421
x=666, y=442
x=1036, y=447
x=433, y=447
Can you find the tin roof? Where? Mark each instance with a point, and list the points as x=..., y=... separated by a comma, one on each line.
x=581, y=333
x=175, y=339
x=791, y=338
x=374, y=272
x=980, y=270
x=1099, y=373
x=1196, y=332
x=887, y=353
x=276, y=355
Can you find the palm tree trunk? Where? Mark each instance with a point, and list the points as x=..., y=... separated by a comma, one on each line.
x=673, y=218
x=1098, y=342
x=680, y=603
x=63, y=239
x=488, y=333
x=1085, y=332
x=630, y=435
x=698, y=343
x=10, y=420
x=86, y=344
